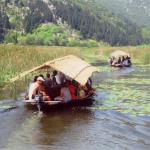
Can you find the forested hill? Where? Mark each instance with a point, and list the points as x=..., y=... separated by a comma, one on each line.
x=136, y=10
x=93, y=21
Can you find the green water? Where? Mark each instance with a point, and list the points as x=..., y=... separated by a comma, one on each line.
x=126, y=90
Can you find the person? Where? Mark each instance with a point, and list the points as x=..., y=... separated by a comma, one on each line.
x=129, y=61
x=82, y=91
x=125, y=62
x=38, y=87
x=65, y=95
x=88, y=87
x=119, y=60
x=30, y=87
x=41, y=76
x=110, y=61
x=115, y=62
x=53, y=78
x=73, y=88
x=48, y=80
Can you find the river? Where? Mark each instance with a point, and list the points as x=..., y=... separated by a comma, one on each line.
x=119, y=119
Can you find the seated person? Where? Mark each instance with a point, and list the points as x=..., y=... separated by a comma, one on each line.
x=38, y=86
x=48, y=80
x=88, y=87
x=125, y=62
x=65, y=95
x=82, y=93
x=129, y=61
x=55, y=79
x=110, y=60
x=30, y=87
x=73, y=89
x=114, y=62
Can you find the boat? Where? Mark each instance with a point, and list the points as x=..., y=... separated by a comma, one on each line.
x=57, y=105
x=120, y=59
x=71, y=66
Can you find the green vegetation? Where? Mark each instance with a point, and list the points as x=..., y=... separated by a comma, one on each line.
x=50, y=35
x=16, y=59
x=92, y=21
x=135, y=10
x=134, y=96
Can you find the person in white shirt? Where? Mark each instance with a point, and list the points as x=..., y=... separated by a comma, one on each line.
x=65, y=94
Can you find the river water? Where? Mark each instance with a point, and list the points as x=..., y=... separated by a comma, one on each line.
x=119, y=119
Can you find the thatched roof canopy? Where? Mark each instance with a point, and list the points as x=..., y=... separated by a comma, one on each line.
x=70, y=65
x=118, y=53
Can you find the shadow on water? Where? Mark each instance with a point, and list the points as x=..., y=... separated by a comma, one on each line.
x=119, y=118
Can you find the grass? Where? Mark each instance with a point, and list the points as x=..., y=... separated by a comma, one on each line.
x=15, y=59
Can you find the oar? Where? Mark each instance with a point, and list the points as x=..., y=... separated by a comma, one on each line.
x=39, y=101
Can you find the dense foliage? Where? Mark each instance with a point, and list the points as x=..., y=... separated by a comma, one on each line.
x=92, y=21
x=54, y=35
x=137, y=11
x=4, y=24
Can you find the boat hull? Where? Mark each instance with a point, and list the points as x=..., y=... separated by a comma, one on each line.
x=88, y=101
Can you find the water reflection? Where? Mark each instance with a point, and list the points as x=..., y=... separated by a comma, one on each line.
x=32, y=130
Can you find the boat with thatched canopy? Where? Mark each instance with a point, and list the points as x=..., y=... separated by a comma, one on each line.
x=120, y=59
x=72, y=67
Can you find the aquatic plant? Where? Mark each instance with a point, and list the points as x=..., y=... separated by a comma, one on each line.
x=16, y=59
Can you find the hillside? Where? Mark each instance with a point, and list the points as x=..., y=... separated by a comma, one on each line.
x=85, y=16
x=137, y=11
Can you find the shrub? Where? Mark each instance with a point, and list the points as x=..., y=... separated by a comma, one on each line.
x=11, y=37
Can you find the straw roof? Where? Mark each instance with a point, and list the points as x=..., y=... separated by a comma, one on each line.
x=119, y=53
x=70, y=65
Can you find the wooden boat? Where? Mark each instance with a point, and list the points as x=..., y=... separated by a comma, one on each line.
x=52, y=105
x=120, y=55
x=74, y=68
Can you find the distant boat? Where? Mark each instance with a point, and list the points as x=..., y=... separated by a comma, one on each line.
x=120, y=59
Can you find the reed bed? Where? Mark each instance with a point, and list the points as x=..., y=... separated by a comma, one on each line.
x=16, y=59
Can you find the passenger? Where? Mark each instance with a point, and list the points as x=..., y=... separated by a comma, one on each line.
x=129, y=61
x=42, y=89
x=41, y=76
x=110, y=61
x=115, y=62
x=82, y=93
x=30, y=87
x=53, y=78
x=119, y=60
x=125, y=63
x=48, y=80
x=73, y=90
x=88, y=87
x=34, y=88
x=123, y=58
x=65, y=95
x=38, y=86
x=62, y=77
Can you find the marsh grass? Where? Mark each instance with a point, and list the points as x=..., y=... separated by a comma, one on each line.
x=16, y=59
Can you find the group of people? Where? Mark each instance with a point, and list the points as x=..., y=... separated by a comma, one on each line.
x=57, y=87
x=120, y=62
